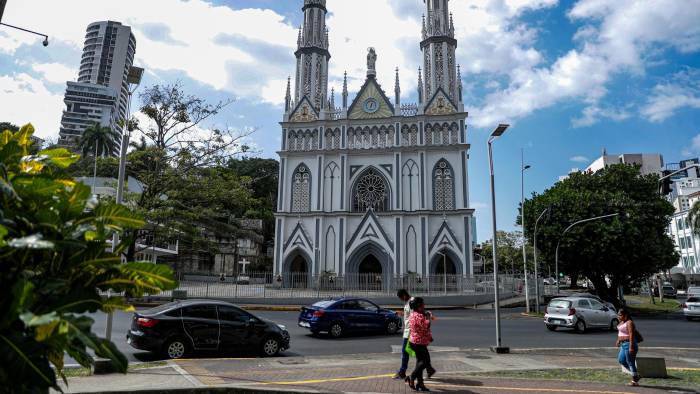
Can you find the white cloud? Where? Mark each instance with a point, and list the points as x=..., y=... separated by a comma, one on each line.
x=694, y=147
x=30, y=102
x=593, y=113
x=683, y=90
x=56, y=72
x=580, y=159
x=617, y=36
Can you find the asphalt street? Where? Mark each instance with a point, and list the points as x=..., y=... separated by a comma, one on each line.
x=470, y=329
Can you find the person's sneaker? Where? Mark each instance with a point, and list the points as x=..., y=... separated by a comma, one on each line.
x=400, y=375
x=431, y=374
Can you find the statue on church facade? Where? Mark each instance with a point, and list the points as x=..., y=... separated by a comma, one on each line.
x=371, y=62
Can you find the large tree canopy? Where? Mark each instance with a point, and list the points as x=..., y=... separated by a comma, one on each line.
x=624, y=249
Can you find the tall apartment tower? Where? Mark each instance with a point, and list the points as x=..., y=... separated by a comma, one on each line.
x=101, y=93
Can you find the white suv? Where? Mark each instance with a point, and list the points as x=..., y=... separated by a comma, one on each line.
x=580, y=314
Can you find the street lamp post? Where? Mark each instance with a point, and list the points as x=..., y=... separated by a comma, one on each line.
x=556, y=252
x=134, y=80
x=2, y=11
x=496, y=133
x=534, y=252
x=524, y=168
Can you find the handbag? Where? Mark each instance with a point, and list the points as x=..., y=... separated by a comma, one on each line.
x=409, y=350
x=638, y=336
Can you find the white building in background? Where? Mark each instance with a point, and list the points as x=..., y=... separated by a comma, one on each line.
x=375, y=186
x=101, y=93
x=685, y=192
x=650, y=163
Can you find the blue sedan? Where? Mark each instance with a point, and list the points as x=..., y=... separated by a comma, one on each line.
x=345, y=315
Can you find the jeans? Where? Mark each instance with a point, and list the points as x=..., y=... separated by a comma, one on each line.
x=628, y=360
x=422, y=363
x=404, y=357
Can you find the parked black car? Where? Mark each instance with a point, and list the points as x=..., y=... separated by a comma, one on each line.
x=178, y=329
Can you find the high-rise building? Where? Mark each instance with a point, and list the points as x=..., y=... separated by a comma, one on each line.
x=108, y=54
x=685, y=192
x=86, y=103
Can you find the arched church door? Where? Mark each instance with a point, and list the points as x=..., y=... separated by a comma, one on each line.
x=299, y=270
x=370, y=273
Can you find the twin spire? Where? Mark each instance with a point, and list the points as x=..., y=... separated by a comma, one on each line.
x=439, y=71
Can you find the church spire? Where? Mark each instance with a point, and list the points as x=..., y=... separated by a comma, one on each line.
x=420, y=86
x=313, y=56
x=397, y=90
x=460, y=94
x=345, y=90
x=439, y=47
x=288, y=96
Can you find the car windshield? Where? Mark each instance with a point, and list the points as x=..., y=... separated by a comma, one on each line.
x=560, y=304
x=323, y=304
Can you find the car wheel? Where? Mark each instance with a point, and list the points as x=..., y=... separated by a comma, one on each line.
x=551, y=327
x=392, y=327
x=176, y=348
x=580, y=326
x=613, y=324
x=270, y=347
x=336, y=330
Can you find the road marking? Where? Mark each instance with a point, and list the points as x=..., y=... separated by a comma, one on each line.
x=536, y=390
x=185, y=374
x=315, y=381
x=684, y=369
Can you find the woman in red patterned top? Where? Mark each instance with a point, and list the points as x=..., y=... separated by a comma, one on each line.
x=420, y=338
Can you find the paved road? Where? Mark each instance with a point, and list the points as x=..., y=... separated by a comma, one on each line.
x=459, y=329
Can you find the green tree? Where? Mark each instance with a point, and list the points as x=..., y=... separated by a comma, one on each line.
x=8, y=126
x=625, y=249
x=510, y=253
x=99, y=141
x=54, y=266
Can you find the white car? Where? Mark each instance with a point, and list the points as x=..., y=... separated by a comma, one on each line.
x=691, y=308
x=693, y=292
x=580, y=314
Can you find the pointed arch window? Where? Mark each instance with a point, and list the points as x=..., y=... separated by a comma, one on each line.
x=301, y=189
x=443, y=187
x=371, y=191
x=410, y=185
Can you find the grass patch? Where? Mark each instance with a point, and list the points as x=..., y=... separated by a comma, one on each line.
x=678, y=378
x=82, y=372
x=642, y=304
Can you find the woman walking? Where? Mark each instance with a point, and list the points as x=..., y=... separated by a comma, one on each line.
x=420, y=337
x=628, y=342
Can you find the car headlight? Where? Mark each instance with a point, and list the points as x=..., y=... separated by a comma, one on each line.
x=283, y=328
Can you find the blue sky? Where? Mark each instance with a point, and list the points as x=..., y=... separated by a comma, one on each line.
x=571, y=77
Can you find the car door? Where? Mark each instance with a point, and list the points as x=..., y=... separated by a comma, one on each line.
x=202, y=326
x=601, y=313
x=236, y=328
x=583, y=308
x=350, y=311
x=369, y=315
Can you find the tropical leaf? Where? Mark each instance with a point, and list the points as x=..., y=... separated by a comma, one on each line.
x=141, y=278
x=62, y=158
x=114, y=217
x=80, y=331
x=32, y=320
x=9, y=191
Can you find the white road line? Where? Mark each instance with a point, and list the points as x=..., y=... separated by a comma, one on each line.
x=186, y=375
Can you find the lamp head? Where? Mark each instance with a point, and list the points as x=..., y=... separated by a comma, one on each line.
x=45, y=42
x=527, y=167
x=500, y=130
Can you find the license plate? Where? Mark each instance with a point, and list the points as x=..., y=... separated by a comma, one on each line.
x=304, y=324
x=557, y=322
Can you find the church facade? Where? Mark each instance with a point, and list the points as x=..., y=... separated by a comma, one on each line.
x=374, y=186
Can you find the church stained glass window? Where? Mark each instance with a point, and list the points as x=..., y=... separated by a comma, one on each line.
x=443, y=187
x=301, y=189
x=371, y=191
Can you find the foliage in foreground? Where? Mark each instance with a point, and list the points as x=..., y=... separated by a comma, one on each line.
x=54, y=264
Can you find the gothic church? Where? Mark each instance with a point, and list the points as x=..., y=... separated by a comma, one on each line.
x=374, y=186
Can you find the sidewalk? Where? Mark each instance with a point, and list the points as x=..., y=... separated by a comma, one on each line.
x=372, y=373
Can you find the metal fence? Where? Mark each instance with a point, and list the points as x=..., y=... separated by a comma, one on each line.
x=303, y=285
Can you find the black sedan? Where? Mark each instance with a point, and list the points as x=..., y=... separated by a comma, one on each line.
x=340, y=316
x=178, y=329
